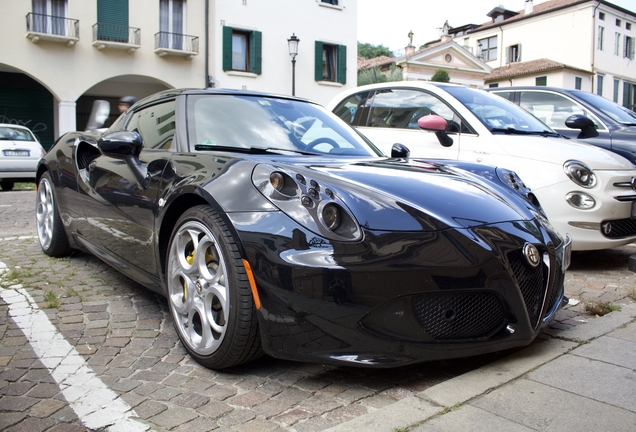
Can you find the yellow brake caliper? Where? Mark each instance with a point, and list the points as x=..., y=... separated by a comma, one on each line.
x=190, y=260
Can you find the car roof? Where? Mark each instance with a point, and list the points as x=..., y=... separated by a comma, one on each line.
x=14, y=126
x=214, y=91
x=537, y=88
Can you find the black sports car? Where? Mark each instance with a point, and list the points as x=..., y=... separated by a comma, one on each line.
x=272, y=226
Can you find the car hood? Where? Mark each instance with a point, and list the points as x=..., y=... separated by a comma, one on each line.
x=395, y=195
x=558, y=150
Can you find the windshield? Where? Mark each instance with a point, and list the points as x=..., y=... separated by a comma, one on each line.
x=245, y=122
x=611, y=109
x=15, y=134
x=496, y=113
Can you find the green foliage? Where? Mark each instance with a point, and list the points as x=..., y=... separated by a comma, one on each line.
x=441, y=76
x=375, y=75
x=369, y=51
x=51, y=298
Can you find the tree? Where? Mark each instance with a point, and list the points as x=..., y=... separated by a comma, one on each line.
x=375, y=75
x=441, y=76
x=369, y=51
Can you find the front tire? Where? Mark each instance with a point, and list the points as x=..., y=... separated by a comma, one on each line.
x=209, y=293
x=51, y=232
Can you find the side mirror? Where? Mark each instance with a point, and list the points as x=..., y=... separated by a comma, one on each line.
x=120, y=144
x=438, y=125
x=99, y=115
x=127, y=146
x=400, y=151
x=585, y=124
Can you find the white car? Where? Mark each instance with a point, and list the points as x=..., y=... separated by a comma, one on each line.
x=20, y=152
x=586, y=191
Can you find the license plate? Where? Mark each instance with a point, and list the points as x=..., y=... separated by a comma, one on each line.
x=633, y=209
x=16, y=153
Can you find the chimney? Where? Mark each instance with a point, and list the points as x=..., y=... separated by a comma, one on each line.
x=528, y=8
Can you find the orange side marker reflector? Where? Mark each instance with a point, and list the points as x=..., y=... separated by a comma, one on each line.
x=250, y=277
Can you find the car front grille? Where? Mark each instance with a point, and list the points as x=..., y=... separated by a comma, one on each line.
x=535, y=286
x=453, y=316
x=620, y=228
x=531, y=282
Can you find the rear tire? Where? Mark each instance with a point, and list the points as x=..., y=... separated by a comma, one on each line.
x=51, y=232
x=6, y=185
x=209, y=293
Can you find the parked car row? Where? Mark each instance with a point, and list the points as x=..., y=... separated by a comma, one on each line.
x=585, y=191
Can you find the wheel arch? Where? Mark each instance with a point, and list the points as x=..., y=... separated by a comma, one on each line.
x=174, y=210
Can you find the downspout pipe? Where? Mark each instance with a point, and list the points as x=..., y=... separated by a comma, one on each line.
x=594, y=42
x=207, y=42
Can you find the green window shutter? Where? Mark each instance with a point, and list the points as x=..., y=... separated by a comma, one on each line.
x=627, y=87
x=255, y=52
x=318, y=65
x=112, y=20
x=341, y=75
x=227, y=48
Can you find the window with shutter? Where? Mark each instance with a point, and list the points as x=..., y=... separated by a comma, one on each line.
x=330, y=62
x=242, y=50
x=112, y=20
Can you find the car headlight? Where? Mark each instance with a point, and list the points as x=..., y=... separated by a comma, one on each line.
x=312, y=203
x=580, y=173
x=512, y=180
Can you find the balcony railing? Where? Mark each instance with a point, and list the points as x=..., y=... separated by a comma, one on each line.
x=176, y=44
x=116, y=36
x=52, y=28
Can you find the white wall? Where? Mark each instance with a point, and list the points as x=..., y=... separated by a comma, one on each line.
x=309, y=20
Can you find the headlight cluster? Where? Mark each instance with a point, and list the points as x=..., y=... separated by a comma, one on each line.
x=580, y=173
x=512, y=180
x=313, y=205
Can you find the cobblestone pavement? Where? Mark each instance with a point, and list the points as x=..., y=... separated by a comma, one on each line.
x=125, y=335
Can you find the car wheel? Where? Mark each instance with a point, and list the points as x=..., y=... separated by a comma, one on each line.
x=209, y=293
x=6, y=185
x=51, y=232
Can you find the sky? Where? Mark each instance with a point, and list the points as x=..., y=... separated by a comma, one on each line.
x=382, y=22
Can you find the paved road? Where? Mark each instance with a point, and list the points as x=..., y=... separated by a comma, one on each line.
x=119, y=343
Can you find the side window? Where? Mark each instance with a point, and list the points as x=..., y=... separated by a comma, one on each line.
x=330, y=62
x=156, y=125
x=354, y=110
x=402, y=108
x=242, y=50
x=552, y=109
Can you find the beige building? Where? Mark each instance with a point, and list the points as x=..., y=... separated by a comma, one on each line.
x=60, y=55
x=584, y=44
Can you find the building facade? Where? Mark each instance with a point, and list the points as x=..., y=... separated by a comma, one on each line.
x=61, y=55
x=581, y=44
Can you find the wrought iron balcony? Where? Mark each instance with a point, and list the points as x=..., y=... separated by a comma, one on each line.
x=176, y=44
x=52, y=28
x=116, y=36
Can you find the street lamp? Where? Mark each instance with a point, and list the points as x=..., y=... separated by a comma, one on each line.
x=293, y=52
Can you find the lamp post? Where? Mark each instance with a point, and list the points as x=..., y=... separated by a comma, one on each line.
x=293, y=52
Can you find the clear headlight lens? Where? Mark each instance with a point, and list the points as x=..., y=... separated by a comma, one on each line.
x=580, y=200
x=580, y=173
x=331, y=216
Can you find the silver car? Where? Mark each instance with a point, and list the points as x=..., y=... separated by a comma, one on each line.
x=20, y=152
